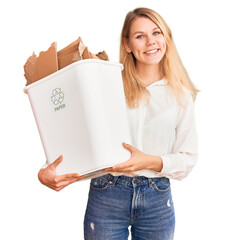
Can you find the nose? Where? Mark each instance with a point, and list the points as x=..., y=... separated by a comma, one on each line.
x=150, y=41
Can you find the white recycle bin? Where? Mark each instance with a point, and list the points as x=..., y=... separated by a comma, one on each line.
x=80, y=112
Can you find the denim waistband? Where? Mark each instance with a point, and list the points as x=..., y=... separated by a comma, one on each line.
x=131, y=181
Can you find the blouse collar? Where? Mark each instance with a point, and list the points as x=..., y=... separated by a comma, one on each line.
x=161, y=82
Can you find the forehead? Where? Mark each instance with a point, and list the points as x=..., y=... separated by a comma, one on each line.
x=142, y=24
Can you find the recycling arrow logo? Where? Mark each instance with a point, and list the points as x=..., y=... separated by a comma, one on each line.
x=57, y=96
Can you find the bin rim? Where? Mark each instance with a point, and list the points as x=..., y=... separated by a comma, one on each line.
x=71, y=66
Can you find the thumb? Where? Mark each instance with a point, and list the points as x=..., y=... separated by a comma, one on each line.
x=57, y=161
x=128, y=147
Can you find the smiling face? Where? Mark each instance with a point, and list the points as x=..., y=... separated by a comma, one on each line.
x=146, y=42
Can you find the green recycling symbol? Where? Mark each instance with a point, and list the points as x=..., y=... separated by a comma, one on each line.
x=57, y=96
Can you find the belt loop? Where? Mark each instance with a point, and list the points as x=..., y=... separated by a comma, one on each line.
x=115, y=178
x=149, y=182
x=133, y=182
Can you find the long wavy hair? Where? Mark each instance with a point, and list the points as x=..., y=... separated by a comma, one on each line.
x=171, y=66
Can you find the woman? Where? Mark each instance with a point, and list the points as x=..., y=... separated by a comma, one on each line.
x=159, y=97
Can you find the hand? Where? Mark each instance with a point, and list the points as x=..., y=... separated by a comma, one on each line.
x=137, y=161
x=48, y=177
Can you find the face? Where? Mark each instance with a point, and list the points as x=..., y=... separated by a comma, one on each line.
x=146, y=42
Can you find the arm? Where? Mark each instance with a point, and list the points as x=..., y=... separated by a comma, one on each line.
x=179, y=163
x=138, y=161
x=183, y=158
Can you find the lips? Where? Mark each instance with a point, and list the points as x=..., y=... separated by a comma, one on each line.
x=152, y=51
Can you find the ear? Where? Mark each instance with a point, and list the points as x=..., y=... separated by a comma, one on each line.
x=126, y=45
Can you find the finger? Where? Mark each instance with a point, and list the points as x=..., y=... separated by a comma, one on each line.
x=57, y=161
x=67, y=176
x=123, y=170
x=122, y=166
x=128, y=147
x=59, y=188
x=108, y=169
x=64, y=184
x=74, y=180
x=59, y=185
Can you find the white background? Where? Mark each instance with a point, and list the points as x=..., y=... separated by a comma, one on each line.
x=29, y=210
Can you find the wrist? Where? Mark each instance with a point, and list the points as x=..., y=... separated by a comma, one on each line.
x=155, y=163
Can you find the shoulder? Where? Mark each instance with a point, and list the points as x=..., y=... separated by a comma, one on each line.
x=183, y=97
x=186, y=97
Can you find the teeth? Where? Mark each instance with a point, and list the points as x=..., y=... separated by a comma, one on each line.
x=153, y=51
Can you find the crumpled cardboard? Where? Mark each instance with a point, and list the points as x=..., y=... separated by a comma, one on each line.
x=51, y=61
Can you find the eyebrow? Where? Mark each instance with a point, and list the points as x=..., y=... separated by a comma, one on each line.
x=144, y=32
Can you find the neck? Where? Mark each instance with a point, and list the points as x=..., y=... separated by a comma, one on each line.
x=148, y=73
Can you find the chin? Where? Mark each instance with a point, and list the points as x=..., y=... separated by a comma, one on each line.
x=152, y=62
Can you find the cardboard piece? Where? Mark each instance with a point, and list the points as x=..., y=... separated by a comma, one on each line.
x=77, y=51
x=29, y=68
x=103, y=56
x=39, y=67
x=69, y=54
x=72, y=47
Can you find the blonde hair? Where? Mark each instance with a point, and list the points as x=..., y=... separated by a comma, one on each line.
x=171, y=66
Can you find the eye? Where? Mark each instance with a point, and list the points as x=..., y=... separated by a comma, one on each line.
x=156, y=33
x=140, y=36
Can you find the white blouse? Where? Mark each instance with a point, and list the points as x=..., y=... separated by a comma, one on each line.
x=166, y=129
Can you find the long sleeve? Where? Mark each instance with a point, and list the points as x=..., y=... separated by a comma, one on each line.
x=167, y=129
x=180, y=162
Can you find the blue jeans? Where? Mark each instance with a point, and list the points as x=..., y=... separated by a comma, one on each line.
x=115, y=203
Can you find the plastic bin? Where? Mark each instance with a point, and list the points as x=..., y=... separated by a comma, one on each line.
x=80, y=112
